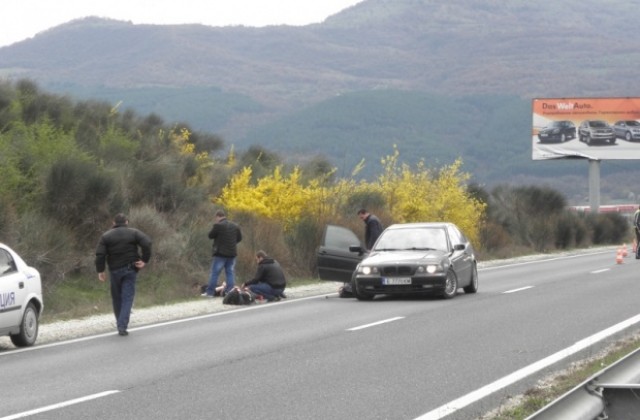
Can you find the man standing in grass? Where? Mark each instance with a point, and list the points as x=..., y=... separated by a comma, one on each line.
x=225, y=235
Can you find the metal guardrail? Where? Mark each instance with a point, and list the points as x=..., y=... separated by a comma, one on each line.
x=613, y=393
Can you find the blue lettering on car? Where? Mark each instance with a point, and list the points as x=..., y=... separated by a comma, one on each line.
x=7, y=300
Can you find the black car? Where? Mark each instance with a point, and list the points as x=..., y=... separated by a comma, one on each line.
x=591, y=131
x=557, y=131
x=628, y=130
x=411, y=258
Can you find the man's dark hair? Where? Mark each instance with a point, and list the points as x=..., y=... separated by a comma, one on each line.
x=362, y=211
x=220, y=213
x=120, y=219
x=261, y=254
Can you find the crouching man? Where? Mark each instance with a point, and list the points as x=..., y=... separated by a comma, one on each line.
x=269, y=280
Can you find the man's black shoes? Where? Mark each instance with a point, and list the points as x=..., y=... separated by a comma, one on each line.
x=123, y=332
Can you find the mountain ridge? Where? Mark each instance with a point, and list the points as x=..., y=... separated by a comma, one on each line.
x=240, y=81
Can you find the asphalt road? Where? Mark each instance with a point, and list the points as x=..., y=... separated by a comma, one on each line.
x=332, y=358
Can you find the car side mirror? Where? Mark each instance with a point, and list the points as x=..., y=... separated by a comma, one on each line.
x=459, y=247
x=356, y=248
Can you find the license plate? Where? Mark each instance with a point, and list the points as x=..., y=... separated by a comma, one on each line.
x=396, y=280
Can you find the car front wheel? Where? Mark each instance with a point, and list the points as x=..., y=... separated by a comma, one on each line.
x=28, y=328
x=628, y=136
x=451, y=285
x=361, y=295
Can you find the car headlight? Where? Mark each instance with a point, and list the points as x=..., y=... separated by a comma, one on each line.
x=368, y=270
x=432, y=268
x=429, y=268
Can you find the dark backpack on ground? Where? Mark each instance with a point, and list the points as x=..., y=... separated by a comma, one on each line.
x=239, y=297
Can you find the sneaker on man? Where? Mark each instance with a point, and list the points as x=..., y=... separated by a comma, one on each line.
x=206, y=295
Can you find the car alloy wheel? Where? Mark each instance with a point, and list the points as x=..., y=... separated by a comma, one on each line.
x=450, y=285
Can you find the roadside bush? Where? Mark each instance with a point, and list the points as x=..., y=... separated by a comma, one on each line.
x=566, y=227
x=75, y=192
x=493, y=237
x=48, y=246
x=370, y=200
x=609, y=228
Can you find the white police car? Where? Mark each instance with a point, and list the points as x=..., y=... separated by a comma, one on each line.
x=20, y=298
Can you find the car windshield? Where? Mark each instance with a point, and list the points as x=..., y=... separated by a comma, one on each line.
x=422, y=239
x=598, y=124
x=633, y=123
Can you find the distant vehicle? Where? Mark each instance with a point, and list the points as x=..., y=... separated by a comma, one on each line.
x=591, y=131
x=411, y=258
x=628, y=130
x=557, y=131
x=20, y=298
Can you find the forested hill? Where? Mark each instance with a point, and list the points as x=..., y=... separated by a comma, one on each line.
x=485, y=58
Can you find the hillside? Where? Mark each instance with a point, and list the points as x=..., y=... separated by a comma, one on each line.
x=267, y=85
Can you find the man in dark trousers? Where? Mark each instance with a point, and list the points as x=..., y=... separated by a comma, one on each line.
x=269, y=281
x=373, y=228
x=120, y=248
x=225, y=235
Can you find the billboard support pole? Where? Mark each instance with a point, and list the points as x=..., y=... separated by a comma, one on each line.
x=594, y=185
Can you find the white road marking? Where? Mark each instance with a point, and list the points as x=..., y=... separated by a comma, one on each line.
x=518, y=290
x=600, y=271
x=372, y=324
x=470, y=398
x=538, y=261
x=59, y=405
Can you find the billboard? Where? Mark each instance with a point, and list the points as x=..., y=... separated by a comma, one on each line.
x=587, y=128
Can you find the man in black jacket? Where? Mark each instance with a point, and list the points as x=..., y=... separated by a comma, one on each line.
x=119, y=247
x=373, y=228
x=225, y=235
x=269, y=281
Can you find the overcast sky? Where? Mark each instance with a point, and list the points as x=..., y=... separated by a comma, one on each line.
x=22, y=19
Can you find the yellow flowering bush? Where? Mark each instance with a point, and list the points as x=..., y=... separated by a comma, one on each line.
x=410, y=195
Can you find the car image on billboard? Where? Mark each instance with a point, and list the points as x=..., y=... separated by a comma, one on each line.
x=598, y=123
x=628, y=130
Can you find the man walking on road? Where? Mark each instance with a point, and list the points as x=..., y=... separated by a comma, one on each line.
x=120, y=248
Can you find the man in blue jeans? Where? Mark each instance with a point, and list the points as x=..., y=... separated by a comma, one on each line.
x=225, y=235
x=269, y=281
x=120, y=248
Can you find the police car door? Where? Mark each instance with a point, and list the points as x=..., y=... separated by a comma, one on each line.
x=12, y=292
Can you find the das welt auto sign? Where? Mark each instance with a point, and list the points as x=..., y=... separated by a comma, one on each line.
x=589, y=128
